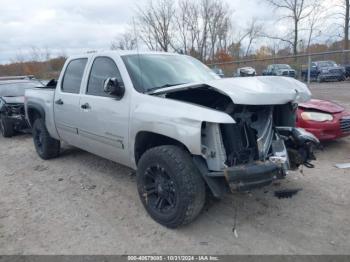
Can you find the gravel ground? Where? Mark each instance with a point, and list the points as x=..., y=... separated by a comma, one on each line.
x=82, y=204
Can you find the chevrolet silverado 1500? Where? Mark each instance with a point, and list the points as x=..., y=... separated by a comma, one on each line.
x=176, y=122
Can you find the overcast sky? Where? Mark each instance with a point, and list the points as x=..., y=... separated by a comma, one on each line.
x=67, y=26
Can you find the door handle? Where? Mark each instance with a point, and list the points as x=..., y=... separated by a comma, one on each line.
x=59, y=102
x=85, y=106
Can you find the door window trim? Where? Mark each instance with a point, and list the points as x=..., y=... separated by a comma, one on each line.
x=89, y=75
x=82, y=78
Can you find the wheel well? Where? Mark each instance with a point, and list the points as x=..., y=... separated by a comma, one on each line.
x=33, y=114
x=146, y=140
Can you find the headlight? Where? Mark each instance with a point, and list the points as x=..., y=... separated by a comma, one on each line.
x=325, y=71
x=315, y=116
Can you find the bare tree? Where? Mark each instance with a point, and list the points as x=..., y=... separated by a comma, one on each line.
x=218, y=21
x=345, y=6
x=156, y=19
x=125, y=41
x=182, y=24
x=296, y=11
x=315, y=21
x=253, y=32
x=346, y=24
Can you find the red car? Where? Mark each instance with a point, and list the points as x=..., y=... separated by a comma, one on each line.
x=326, y=120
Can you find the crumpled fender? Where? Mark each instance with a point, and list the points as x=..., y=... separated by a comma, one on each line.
x=175, y=119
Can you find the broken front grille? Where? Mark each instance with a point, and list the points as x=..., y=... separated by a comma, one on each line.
x=15, y=109
x=345, y=125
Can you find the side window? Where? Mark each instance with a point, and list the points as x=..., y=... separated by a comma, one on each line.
x=73, y=76
x=102, y=68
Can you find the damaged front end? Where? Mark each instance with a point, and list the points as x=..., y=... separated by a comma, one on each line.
x=13, y=114
x=262, y=144
x=260, y=147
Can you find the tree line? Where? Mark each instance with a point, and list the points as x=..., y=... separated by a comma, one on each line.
x=206, y=28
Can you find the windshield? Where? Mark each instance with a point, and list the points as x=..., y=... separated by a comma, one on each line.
x=150, y=72
x=327, y=64
x=282, y=66
x=15, y=88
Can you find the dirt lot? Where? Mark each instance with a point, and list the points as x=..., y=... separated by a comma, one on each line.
x=82, y=204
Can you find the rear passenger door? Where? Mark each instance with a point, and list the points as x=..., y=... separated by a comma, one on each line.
x=66, y=105
x=104, y=125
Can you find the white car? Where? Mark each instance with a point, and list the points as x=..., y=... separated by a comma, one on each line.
x=245, y=71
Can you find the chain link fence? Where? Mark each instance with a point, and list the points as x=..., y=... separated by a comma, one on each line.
x=301, y=63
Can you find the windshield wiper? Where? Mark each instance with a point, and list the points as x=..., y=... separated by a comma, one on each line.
x=163, y=86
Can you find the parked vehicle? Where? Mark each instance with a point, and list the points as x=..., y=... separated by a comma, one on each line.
x=280, y=70
x=183, y=128
x=324, y=71
x=245, y=71
x=347, y=71
x=12, y=117
x=325, y=119
x=218, y=71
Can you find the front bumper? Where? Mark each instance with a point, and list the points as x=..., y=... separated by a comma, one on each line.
x=251, y=176
x=332, y=76
x=18, y=122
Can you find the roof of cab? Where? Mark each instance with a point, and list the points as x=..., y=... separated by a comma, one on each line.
x=118, y=53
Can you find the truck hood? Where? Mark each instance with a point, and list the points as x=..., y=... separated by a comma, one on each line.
x=262, y=90
x=322, y=105
x=332, y=68
x=13, y=99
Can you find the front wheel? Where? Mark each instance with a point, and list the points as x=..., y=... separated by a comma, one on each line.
x=6, y=127
x=46, y=146
x=170, y=186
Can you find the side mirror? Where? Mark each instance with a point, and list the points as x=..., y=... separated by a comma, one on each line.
x=114, y=88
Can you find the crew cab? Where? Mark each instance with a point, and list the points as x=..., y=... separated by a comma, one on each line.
x=182, y=127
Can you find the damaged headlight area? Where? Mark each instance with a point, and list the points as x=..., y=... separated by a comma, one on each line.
x=316, y=116
x=261, y=146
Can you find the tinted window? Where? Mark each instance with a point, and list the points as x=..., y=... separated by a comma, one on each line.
x=73, y=76
x=102, y=68
x=282, y=66
x=326, y=64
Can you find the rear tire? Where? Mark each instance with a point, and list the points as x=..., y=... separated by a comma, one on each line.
x=170, y=186
x=46, y=146
x=6, y=128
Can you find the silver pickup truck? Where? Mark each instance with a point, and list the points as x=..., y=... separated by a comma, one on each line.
x=187, y=132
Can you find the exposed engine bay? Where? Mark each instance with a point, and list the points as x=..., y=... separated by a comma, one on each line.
x=263, y=140
x=13, y=113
